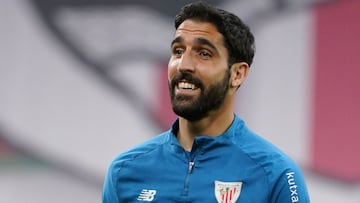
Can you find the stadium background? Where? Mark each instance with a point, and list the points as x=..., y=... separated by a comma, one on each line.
x=81, y=81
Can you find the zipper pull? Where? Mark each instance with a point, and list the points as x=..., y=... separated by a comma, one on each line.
x=191, y=166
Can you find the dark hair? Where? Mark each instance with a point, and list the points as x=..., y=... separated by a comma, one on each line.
x=237, y=36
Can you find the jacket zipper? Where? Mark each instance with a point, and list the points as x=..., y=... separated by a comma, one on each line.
x=191, y=165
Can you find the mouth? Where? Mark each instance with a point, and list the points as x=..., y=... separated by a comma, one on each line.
x=186, y=85
x=185, y=88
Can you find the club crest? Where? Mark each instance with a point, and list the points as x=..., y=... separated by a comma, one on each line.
x=227, y=192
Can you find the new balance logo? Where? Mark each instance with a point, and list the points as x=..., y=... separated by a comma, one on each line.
x=146, y=195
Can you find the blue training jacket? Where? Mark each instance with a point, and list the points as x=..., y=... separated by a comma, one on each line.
x=237, y=166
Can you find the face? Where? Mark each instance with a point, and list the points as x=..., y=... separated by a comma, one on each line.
x=198, y=71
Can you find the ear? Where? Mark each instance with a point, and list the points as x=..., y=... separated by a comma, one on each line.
x=239, y=72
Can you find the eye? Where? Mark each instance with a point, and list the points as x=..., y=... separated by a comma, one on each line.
x=177, y=51
x=205, y=54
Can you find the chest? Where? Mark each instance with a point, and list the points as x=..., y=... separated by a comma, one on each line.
x=222, y=178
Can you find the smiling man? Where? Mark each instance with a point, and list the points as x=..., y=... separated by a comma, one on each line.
x=209, y=154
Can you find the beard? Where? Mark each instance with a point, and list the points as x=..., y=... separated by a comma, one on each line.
x=210, y=98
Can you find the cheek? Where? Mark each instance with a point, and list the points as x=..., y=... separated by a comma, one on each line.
x=217, y=77
x=171, y=68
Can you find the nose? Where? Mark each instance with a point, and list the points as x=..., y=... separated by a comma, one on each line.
x=186, y=63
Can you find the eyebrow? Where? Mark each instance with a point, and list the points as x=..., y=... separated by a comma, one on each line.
x=177, y=40
x=199, y=41
x=203, y=41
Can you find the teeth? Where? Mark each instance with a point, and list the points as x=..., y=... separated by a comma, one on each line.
x=185, y=85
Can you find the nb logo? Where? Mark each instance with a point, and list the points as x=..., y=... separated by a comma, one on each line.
x=146, y=195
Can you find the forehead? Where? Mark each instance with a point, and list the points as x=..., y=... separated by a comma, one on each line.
x=191, y=29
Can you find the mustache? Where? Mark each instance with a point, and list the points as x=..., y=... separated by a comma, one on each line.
x=188, y=77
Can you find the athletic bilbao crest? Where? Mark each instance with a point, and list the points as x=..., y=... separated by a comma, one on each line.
x=227, y=192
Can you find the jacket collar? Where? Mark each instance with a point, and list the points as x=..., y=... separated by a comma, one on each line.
x=204, y=142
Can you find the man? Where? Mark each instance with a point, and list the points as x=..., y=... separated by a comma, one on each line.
x=209, y=154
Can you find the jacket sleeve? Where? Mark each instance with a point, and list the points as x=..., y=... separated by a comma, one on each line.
x=290, y=187
x=109, y=192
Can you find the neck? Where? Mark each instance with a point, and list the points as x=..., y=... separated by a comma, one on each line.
x=214, y=124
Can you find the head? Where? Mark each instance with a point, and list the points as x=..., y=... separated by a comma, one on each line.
x=211, y=53
x=238, y=39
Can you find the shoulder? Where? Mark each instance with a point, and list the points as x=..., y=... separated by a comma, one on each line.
x=260, y=150
x=284, y=176
x=139, y=151
x=130, y=156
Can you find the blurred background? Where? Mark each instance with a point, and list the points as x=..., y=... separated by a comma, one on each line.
x=81, y=81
